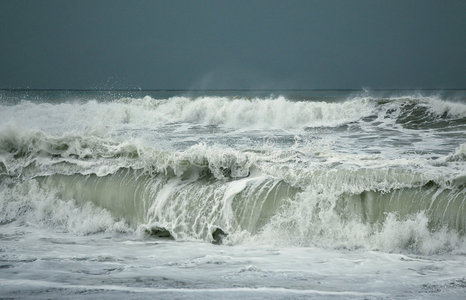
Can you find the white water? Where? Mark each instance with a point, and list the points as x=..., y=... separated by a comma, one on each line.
x=318, y=199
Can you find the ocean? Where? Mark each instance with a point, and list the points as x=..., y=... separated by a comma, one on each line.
x=226, y=194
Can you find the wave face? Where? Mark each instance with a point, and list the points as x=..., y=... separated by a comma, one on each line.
x=379, y=173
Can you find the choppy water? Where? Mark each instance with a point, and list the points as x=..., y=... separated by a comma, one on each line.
x=263, y=194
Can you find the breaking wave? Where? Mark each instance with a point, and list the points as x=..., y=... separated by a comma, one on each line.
x=278, y=113
x=90, y=184
x=414, y=112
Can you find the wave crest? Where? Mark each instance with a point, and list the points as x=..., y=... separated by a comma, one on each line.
x=95, y=155
x=233, y=113
x=257, y=113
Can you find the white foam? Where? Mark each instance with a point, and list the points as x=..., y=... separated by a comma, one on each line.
x=441, y=107
x=101, y=117
x=313, y=219
x=260, y=113
x=459, y=154
x=55, y=139
x=28, y=203
x=413, y=234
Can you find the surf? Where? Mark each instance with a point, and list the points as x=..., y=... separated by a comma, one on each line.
x=342, y=173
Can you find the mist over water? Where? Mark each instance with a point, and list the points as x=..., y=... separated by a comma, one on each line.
x=297, y=187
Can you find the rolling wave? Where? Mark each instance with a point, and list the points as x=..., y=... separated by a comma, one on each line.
x=251, y=196
x=259, y=208
x=236, y=113
x=276, y=113
x=105, y=167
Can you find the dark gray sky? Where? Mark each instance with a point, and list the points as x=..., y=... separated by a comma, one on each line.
x=232, y=44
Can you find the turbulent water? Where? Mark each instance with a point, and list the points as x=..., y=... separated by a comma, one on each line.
x=233, y=194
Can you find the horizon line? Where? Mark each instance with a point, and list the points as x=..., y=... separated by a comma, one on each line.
x=220, y=90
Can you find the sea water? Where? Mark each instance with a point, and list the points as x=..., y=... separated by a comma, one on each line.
x=228, y=194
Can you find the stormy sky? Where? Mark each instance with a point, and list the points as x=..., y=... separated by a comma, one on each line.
x=252, y=44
